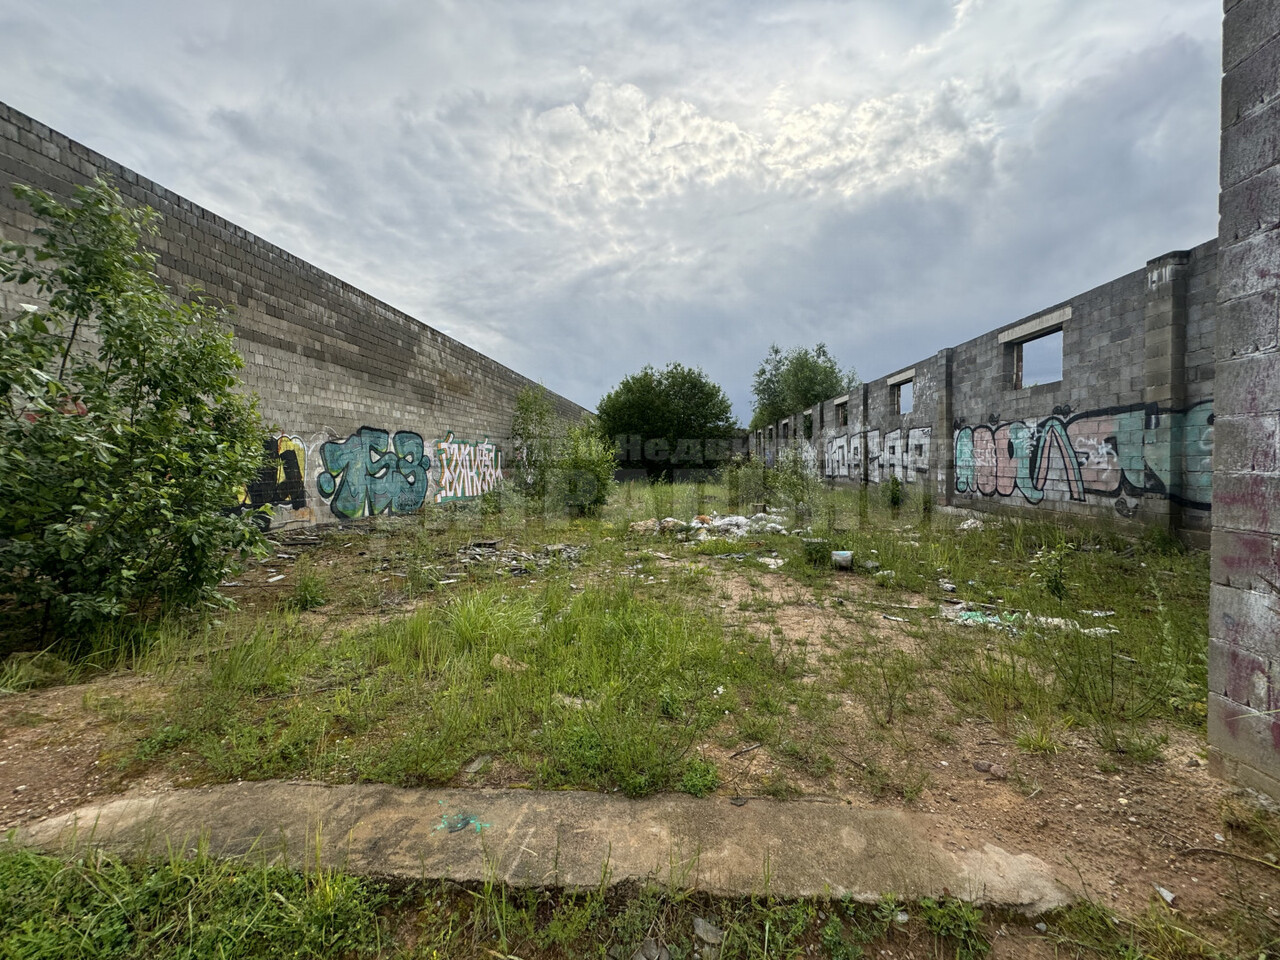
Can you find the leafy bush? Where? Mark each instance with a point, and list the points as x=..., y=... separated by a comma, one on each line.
x=795, y=476
x=123, y=435
x=583, y=478
x=745, y=481
x=537, y=435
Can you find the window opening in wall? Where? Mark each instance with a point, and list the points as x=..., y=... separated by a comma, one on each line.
x=902, y=396
x=786, y=430
x=1038, y=361
x=822, y=416
x=842, y=414
x=808, y=426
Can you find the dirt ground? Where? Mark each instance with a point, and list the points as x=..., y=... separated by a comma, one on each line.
x=1117, y=837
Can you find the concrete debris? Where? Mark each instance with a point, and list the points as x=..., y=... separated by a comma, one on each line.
x=946, y=586
x=773, y=563
x=501, y=661
x=706, y=932
x=963, y=613
x=650, y=950
x=972, y=523
x=886, y=574
x=518, y=562
x=702, y=526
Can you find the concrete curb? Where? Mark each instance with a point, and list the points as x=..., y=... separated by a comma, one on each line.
x=567, y=839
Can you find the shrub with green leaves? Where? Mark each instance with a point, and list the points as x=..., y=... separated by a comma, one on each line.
x=583, y=478
x=537, y=435
x=124, y=435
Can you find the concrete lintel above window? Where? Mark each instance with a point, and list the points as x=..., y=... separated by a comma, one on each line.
x=1046, y=322
x=902, y=377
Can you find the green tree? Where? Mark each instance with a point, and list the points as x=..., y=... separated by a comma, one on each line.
x=669, y=420
x=787, y=383
x=124, y=437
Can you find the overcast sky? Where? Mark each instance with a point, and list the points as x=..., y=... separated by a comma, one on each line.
x=580, y=189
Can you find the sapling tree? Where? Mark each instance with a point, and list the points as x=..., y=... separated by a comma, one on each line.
x=125, y=437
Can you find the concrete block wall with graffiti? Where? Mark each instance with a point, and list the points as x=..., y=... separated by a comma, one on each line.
x=1117, y=423
x=369, y=473
x=374, y=411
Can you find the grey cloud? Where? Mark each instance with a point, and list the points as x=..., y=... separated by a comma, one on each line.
x=582, y=189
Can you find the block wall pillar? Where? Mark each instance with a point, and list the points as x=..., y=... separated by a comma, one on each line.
x=1244, y=613
x=1164, y=377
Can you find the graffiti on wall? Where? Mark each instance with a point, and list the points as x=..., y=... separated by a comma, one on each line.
x=890, y=456
x=467, y=469
x=280, y=483
x=280, y=479
x=1120, y=452
x=371, y=472
x=907, y=457
x=842, y=455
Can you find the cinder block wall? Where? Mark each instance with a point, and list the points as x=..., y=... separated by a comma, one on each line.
x=352, y=385
x=1244, y=614
x=1125, y=433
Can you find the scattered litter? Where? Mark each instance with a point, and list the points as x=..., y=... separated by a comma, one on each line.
x=1097, y=613
x=231, y=583
x=773, y=563
x=276, y=578
x=286, y=556
x=1167, y=895
x=972, y=524
x=870, y=565
x=671, y=525
x=946, y=586
x=1042, y=927
x=885, y=574
x=841, y=559
x=902, y=917
x=895, y=619
x=476, y=765
x=1220, y=838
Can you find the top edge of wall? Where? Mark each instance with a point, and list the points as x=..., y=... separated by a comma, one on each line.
x=130, y=180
